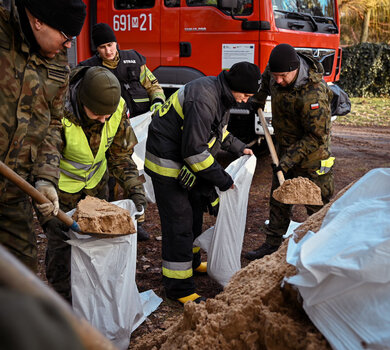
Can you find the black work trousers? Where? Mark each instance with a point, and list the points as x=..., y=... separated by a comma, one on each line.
x=181, y=217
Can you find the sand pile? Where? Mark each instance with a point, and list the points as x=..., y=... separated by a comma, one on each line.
x=299, y=190
x=98, y=216
x=253, y=311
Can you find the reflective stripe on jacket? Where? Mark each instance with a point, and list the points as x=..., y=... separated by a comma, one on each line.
x=79, y=168
x=183, y=129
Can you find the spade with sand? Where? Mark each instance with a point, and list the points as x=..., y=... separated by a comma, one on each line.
x=69, y=221
x=299, y=190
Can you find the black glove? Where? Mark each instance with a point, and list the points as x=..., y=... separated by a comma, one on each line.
x=276, y=169
x=210, y=204
x=186, y=178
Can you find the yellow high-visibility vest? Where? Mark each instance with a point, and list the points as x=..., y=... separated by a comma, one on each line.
x=79, y=168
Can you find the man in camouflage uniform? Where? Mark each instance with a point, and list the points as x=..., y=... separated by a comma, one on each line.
x=98, y=140
x=301, y=120
x=140, y=88
x=34, y=79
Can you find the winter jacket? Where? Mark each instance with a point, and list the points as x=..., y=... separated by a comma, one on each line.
x=190, y=128
x=301, y=115
x=139, y=86
x=32, y=94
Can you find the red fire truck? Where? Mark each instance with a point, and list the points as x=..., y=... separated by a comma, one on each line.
x=186, y=39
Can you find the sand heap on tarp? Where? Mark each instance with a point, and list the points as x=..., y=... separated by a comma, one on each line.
x=253, y=312
x=98, y=216
x=299, y=190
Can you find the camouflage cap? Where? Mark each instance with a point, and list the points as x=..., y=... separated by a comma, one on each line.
x=100, y=91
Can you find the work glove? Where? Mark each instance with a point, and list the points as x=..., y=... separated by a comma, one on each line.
x=130, y=140
x=211, y=203
x=155, y=106
x=276, y=169
x=139, y=201
x=50, y=192
x=186, y=178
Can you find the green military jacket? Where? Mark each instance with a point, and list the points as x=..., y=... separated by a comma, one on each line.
x=301, y=115
x=32, y=94
x=119, y=158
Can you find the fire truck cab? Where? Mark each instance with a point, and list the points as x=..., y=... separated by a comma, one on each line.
x=186, y=39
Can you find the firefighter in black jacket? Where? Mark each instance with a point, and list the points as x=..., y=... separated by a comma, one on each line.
x=184, y=136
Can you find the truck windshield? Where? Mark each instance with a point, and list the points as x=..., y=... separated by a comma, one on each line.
x=315, y=8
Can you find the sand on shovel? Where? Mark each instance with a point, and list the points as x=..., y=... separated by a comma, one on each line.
x=298, y=190
x=100, y=217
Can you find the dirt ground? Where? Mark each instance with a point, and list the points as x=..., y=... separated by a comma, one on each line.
x=357, y=150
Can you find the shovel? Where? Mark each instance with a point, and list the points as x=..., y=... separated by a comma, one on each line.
x=298, y=190
x=40, y=199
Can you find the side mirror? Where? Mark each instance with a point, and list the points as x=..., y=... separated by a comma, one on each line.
x=228, y=4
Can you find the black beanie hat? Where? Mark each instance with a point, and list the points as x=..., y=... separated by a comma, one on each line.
x=243, y=77
x=283, y=58
x=64, y=15
x=100, y=91
x=102, y=34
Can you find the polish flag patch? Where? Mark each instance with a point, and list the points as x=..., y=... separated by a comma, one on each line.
x=314, y=106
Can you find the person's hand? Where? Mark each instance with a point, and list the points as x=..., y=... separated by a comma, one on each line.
x=50, y=192
x=130, y=140
x=276, y=168
x=248, y=151
x=213, y=207
x=155, y=106
x=186, y=178
x=139, y=201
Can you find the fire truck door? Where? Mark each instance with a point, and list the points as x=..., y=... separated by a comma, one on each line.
x=137, y=26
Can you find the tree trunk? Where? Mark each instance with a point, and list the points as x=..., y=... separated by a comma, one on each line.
x=365, y=26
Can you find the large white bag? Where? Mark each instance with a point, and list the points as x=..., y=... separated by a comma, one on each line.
x=344, y=269
x=104, y=291
x=223, y=242
x=140, y=125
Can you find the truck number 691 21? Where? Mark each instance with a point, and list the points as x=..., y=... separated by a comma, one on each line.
x=123, y=23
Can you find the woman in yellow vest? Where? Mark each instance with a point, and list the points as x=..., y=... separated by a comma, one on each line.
x=98, y=140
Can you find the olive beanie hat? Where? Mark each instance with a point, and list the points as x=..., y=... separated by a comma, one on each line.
x=100, y=91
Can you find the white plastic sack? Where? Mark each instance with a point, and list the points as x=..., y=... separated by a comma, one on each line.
x=223, y=243
x=104, y=291
x=140, y=125
x=344, y=269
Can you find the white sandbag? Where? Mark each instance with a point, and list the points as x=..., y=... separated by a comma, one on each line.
x=140, y=125
x=104, y=291
x=344, y=269
x=223, y=242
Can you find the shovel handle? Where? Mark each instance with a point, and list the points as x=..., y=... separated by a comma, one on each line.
x=270, y=144
x=35, y=194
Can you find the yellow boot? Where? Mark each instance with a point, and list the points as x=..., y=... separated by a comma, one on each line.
x=202, y=268
x=196, y=298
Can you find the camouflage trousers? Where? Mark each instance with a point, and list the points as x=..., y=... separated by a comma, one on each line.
x=279, y=216
x=58, y=252
x=17, y=233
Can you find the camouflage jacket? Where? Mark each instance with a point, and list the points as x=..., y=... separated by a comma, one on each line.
x=32, y=94
x=300, y=115
x=119, y=161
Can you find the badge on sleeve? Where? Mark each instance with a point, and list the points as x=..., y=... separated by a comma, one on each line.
x=314, y=106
